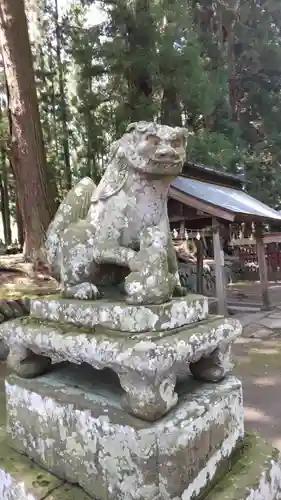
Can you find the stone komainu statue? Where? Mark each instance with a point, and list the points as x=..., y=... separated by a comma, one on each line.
x=118, y=232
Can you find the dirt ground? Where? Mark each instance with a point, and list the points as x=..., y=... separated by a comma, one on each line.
x=258, y=366
x=18, y=278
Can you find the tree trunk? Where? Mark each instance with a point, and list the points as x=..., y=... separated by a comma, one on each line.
x=140, y=41
x=19, y=220
x=170, y=107
x=63, y=105
x=5, y=209
x=27, y=147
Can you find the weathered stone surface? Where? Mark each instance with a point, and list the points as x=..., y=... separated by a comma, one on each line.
x=255, y=474
x=83, y=435
x=4, y=351
x=9, y=309
x=119, y=232
x=117, y=315
x=272, y=321
x=26, y=363
x=148, y=366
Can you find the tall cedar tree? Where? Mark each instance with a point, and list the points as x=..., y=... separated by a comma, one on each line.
x=27, y=147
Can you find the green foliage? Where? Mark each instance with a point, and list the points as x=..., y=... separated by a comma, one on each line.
x=214, y=149
x=214, y=70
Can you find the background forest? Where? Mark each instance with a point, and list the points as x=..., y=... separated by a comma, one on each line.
x=213, y=66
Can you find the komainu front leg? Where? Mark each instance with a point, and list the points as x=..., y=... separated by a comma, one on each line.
x=77, y=268
x=179, y=290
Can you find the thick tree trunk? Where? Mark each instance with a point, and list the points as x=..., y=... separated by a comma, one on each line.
x=5, y=209
x=27, y=147
x=19, y=224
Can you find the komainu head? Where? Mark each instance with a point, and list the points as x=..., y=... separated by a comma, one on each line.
x=154, y=149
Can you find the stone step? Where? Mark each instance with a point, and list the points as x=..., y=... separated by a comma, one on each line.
x=236, y=308
x=255, y=474
x=81, y=434
x=148, y=365
x=117, y=315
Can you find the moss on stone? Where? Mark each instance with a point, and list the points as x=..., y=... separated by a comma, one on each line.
x=37, y=482
x=245, y=469
x=68, y=492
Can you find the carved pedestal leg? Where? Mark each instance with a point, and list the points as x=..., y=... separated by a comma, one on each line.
x=148, y=400
x=25, y=363
x=214, y=367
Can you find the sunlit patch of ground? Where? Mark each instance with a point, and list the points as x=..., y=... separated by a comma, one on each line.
x=258, y=365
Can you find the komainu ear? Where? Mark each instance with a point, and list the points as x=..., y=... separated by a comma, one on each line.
x=140, y=127
x=111, y=183
x=131, y=127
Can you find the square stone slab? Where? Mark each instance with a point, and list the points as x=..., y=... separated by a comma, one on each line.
x=147, y=365
x=118, y=315
x=83, y=435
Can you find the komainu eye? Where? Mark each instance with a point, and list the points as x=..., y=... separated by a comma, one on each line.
x=153, y=139
x=176, y=143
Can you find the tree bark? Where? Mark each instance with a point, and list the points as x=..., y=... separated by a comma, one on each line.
x=27, y=147
x=170, y=107
x=63, y=104
x=5, y=209
x=19, y=224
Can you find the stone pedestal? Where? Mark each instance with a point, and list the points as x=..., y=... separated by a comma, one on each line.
x=80, y=433
x=148, y=364
x=117, y=399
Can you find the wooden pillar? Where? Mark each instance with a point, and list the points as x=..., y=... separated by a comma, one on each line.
x=219, y=269
x=199, y=266
x=262, y=267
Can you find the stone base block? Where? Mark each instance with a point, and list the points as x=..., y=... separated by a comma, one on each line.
x=117, y=315
x=82, y=435
x=255, y=474
x=21, y=479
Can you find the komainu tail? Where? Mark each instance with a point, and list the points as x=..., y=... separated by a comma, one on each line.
x=73, y=208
